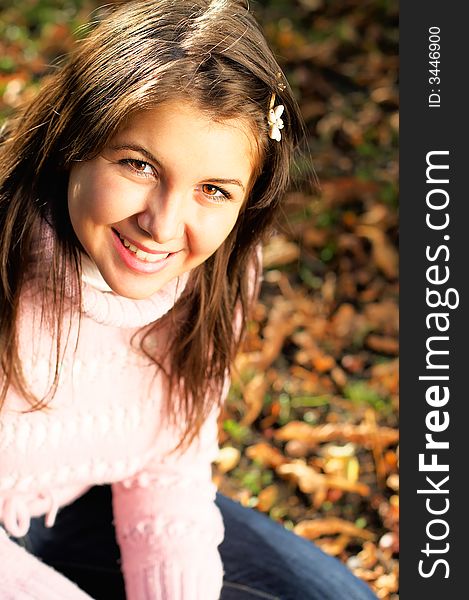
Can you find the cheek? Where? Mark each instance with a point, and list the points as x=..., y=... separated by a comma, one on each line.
x=95, y=198
x=209, y=233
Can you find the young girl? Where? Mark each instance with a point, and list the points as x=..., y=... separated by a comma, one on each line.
x=134, y=192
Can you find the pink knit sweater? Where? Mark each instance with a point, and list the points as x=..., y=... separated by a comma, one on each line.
x=103, y=426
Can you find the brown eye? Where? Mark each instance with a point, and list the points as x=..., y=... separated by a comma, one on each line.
x=138, y=166
x=215, y=193
x=210, y=190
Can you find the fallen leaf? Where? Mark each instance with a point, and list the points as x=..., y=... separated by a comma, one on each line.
x=279, y=251
x=354, y=363
x=312, y=529
x=314, y=237
x=227, y=459
x=382, y=344
x=384, y=253
x=376, y=446
x=346, y=189
x=307, y=479
x=341, y=461
x=383, y=316
x=344, y=484
x=333, y=547
x=267, y=498
x=253, y=395
x=323, y=362
x=364, y=433
x=266, y=454
x=296, y=449
x=393, y=482
x=368, y=556
x=279, y=326
x=339, y=377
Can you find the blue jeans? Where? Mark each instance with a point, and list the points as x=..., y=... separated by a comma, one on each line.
x=261, y=559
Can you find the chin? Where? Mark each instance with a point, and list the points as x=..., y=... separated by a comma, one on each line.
x=134, y=294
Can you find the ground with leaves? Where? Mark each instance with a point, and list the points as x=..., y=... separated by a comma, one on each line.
x=309, y=434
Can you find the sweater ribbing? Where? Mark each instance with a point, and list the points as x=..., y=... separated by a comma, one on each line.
x=106, y=425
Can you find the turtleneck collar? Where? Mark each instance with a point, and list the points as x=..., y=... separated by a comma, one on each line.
x=102, y=305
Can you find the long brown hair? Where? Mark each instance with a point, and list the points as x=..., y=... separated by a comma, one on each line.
x=211, y=52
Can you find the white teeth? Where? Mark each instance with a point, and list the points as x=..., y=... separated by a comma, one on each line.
x=141, y=254
x=155, y=257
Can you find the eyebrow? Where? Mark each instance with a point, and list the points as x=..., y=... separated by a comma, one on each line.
x=151, y=157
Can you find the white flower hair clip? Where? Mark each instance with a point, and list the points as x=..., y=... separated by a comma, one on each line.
x=274, y=119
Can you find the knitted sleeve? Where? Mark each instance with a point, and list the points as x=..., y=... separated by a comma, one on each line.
x=167, y=524
x=24, y=577
x=168, y=527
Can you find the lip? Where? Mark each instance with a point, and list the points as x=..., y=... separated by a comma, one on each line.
x=136, y=264
x=141, y=246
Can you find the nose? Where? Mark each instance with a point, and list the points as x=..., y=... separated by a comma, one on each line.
x=164, y=216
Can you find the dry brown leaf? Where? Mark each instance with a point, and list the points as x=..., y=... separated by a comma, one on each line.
x=323, y=362
x=267, y=498
x=343, y=322
x=392, y=460
x=315, y=237
x=342, y=469
x=253, y=395
x=354, y=363
x=387, y=583
x=347, y=324
x=296, y=449
x=364, y=433
x=334, y=547
x=319, y=497
x=383, y=316
x=227, y=459
x=384, y=253
x=341, y=483
x=382, y=344
x=266, y=455
x=339, y=377
x=368, y=575
x=373, y=290
x=310, y=481
x=387, y=375
x=376, y=446
x=307, y=479
x=393, y=482
x=328, y=288
x=368, y=557
x=342, y=452
x=345, y=189
x=346, y=283
x=269, y=420
x=279, y=251
x=350, y=244
x=311, y=379
x=312, y=529
x=337, y=458
x=349, y=219
x=379, y=215
x=279, y=326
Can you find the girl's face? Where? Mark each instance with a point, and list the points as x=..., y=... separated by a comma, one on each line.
x=162, y=196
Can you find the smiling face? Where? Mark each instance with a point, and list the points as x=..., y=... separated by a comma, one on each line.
x=162, y=196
